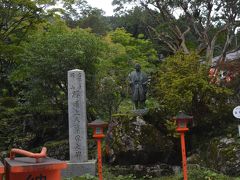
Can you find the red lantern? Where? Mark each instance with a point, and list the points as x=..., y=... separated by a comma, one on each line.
x=182, y=121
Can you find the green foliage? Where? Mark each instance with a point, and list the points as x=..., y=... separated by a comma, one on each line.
x=48, y=56
x=194, y=173
x=38, y=49
x=134, y=21
x=14, y=119
x=106, y=175
x=123, y=51
x=206, y=27
x=40, y=80
x=182, y=83
x=58, y=149
x=137, y=50
x=74, y=10
x=96, y=22
x=171, y=127
x=200, y=173
x=109, y=97
x=17, y=18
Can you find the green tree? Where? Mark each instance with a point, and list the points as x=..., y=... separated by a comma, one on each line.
x=95, y=21
x=134, y=21
x=123, y=51
x=135, y=50
x=109, y=97
x=42, y=74
x=17, y=17
x=182, y=83
x=205, y=20
x=49, y=55
x=19, y=20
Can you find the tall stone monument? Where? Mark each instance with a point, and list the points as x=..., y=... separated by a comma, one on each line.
x=77, y=116
x=79, y=163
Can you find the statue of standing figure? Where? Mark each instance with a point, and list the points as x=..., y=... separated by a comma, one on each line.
x=138, y=84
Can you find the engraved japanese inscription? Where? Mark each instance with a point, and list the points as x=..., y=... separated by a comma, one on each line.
x=77, y=116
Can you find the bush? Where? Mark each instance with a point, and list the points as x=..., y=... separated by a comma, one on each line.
x=182, y=83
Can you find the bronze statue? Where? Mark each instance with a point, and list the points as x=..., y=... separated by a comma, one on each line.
x=138, y=83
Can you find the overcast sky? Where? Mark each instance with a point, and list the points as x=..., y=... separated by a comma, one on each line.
x=105, y=5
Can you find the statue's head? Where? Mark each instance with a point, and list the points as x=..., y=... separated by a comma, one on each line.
x=137, y=67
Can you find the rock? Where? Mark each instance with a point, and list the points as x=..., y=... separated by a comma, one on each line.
x=139, y=112
x=134, y=141
x=176, y=169
x=226, y=140
x=194, y=159
x=222, y=154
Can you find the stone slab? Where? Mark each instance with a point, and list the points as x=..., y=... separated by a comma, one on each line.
x=77, y=116
x=80, y=169
x=140, y=112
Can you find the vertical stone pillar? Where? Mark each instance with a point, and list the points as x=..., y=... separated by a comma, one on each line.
x=79, y=163
x=77, y=116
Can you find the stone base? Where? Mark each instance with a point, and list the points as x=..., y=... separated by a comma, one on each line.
x=79, y=169
x=140, y=112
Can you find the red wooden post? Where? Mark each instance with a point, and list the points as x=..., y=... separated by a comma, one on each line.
x=182, y=120
x=184, y=159
x=99, y=151
x=98, y=126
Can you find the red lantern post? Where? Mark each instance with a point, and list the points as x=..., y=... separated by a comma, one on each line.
x=98, y=134
x=182, y=120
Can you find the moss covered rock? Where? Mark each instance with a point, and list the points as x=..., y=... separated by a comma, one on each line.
x=133, y=141
x=222, y=154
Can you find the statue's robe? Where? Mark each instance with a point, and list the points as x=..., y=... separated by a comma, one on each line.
x=138, y=84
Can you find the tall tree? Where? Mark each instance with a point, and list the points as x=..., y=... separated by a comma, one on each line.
x=47, y=57
x=95, y=21
x=17, y=17
x=209, y=19
x=182, y=83
x=133, y=21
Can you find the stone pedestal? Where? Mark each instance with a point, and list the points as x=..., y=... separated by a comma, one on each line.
x=79, y=169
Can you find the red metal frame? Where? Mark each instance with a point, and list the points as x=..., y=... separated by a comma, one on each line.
x=42, y=154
